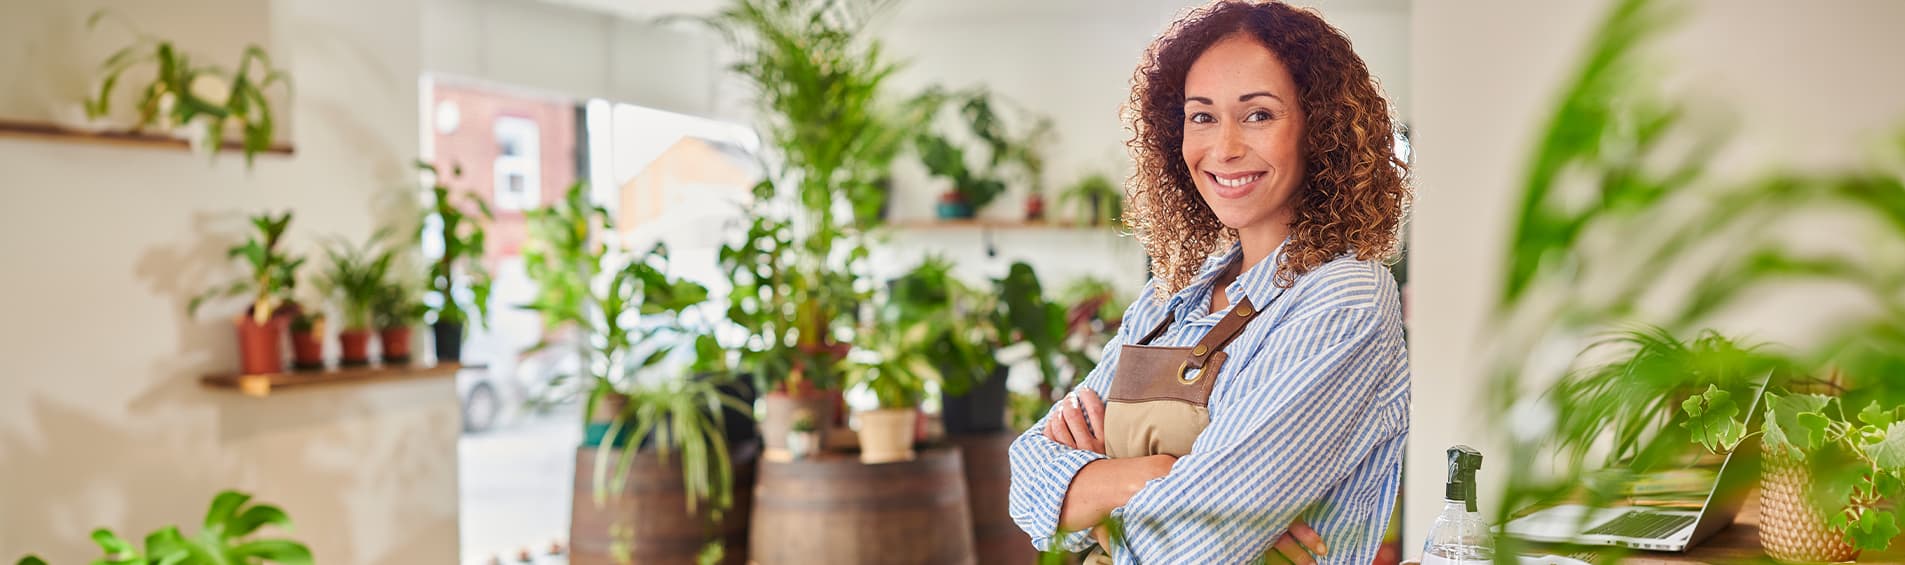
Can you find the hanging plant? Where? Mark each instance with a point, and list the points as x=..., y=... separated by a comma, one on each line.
x=199, y=101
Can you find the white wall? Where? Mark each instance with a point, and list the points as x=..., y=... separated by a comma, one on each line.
x=1811, y=88
x=102, y=420
x=574, y=52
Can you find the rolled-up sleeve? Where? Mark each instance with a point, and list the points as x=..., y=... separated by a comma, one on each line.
x=1042, y=469
x=1321, y=403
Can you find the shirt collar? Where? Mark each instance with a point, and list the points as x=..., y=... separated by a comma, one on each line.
x=1258, y=284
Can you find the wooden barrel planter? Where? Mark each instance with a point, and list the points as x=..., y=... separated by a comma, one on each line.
x=988, y=463
x=833, y=509
x=650, y=518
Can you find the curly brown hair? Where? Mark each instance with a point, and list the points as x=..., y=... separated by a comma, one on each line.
x=1357, y=190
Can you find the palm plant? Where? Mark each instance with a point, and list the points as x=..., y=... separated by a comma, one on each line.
x=184, y=93
x=356, y=278
x=1619, y=167
x=223, y=541
x=819, y=81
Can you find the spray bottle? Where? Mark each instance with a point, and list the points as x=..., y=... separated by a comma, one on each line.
x=1460, y=536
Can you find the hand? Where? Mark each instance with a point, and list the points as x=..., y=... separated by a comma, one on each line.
x=1075, y=428
x=1291, y=547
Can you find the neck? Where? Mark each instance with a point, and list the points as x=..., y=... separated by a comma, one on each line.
x=1260, y=240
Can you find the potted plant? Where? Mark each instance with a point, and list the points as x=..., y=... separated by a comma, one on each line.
x=803, y=437
x=270, y=283
x=1829, y=476
x=307, y=339
x=640, y=415
x=200, y=100
x=1094, y=200
x=355, y=279
x=1003, y=156
x=226, y=539
x=896, y=371
x=398, y=308
x=459, y=224
x=960, y=347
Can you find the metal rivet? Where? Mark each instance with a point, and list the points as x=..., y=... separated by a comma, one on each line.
x=1243, y=311
x=1200, y=350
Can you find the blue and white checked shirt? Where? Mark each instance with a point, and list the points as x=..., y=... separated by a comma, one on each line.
x=1307, y=420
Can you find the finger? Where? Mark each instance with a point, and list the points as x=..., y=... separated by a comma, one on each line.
x=1075, y=422
x=1057, y=428
x=1275, y=557
x=1293, y=551
x=1307, y=536
x=1094, y=415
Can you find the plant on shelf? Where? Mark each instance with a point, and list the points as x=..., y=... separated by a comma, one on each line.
x=225, y=539
x=459, y=229
x=307, y=336
x=1095, y=200
x=205, y=99
x=1622, y=167
x=398, y=308
x=356, y=280
x=1003, y=157
x=270, y=283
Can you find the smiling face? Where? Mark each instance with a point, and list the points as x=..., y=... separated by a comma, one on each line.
x=1243, y=134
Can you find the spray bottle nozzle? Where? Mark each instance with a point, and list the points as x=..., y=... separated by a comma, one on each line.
x=1463, y=462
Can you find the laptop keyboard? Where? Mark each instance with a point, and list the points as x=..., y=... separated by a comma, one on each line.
x=1643, y=525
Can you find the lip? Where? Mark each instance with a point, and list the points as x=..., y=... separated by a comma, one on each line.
x=1233, y=191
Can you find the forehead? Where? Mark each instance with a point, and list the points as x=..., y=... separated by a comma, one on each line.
x=1238, y=64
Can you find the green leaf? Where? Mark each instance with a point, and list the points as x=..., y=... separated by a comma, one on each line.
x=255, y=517
x=1712, y=420
x=1889, y=452
x=111, y=543
x=1874, y=530
x=224, y=508
x=31, y=560
x=1876, y=416
x=273, y=551
x=1813, y=427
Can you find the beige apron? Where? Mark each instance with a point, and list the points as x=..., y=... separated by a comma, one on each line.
x=1159, y=395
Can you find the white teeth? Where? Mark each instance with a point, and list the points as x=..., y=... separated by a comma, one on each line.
x=1230, y=183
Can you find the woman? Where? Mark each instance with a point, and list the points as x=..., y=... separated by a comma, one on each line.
x=1260, y=382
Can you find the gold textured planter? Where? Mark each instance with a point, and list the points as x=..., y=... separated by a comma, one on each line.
x=1790, y=527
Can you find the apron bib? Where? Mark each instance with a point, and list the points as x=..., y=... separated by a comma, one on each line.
x=1159, y=396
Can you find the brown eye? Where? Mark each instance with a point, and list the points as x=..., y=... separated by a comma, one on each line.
x=1257, y=116
x=1200, y=118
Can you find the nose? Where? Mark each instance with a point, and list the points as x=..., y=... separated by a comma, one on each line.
x=1230, y=142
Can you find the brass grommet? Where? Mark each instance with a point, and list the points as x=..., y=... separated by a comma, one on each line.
x=1183, y=369
x=1244, y=311
x=1200, y=350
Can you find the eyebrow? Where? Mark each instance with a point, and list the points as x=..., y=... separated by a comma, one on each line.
x=1244, y=98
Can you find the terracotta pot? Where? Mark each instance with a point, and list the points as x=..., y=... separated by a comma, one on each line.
x=782, y=409
x=396, y=344
x=356, y=346
x=886, y=435
x=260, y=347
x=307, y=350
x=1035, y=208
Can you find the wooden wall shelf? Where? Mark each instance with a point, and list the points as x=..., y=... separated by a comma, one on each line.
x=24, y=129
x=264, y=384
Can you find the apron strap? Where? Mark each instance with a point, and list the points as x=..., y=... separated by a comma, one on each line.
x=1227, y=329
x=1158, y=331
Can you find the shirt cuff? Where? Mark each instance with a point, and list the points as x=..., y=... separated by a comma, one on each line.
x=1064, y=467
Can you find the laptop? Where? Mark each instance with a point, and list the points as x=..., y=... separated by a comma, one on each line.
x=1656, y=529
